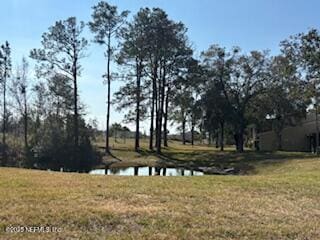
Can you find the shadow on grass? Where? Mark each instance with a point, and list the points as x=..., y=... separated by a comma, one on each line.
x=110, y=154
x=115, y=157
x=245, y=162
x=192, y=158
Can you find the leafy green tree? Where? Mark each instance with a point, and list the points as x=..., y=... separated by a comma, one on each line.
x=40, y=102
x=168, y=49
x=241, y=78
x=190, y=83
x=216, y=100
x=285, y=100
x=133, y=56
x=62, y=49
x=195, y=114
x=155, y=49
x=126, y=98
x=304, y=53
x=60, y=96
x=248, y=80
x=106, y=24
x=217, y=111
x=116, y=130
x=52, y=138
x=181, y=106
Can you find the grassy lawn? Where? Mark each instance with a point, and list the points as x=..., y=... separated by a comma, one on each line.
x=278, y=199
x=249, y=162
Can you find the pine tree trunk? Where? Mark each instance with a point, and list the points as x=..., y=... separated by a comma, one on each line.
x=158, y=103
x=107, y=150
x=137, y=137
x=151, y=123
x=157, y=97
x=76, y=123
x=161, y=107
x=75, y=99
x=165, y=126
x=184, y=132
x=153, y=107
x=192, y=131
x=156, y=127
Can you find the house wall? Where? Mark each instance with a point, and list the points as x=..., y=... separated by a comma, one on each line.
x=293, y=138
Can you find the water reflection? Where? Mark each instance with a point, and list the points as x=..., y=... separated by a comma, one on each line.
x=146, y=171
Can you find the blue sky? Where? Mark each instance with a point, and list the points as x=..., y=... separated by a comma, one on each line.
x=250, y=24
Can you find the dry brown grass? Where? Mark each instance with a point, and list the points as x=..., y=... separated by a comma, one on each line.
x=281, y=202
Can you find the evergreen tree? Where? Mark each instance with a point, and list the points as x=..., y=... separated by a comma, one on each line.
x=106, y=24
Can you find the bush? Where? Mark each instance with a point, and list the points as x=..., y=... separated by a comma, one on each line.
x=53, y=147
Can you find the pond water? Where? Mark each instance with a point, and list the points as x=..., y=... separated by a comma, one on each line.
x=146, y=171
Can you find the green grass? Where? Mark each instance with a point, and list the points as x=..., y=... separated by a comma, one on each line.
x=249, y=162
x=279, y=199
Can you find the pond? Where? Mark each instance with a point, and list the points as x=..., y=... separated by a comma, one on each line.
x=147, y=171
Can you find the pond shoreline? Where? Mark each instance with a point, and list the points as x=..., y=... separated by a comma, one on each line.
x=190, y=166
x=146, y=171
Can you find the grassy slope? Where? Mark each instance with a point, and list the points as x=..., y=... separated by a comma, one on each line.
x=177, y=154
x=281, y=200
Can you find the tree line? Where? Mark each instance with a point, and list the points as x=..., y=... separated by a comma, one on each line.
x=217, y=94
